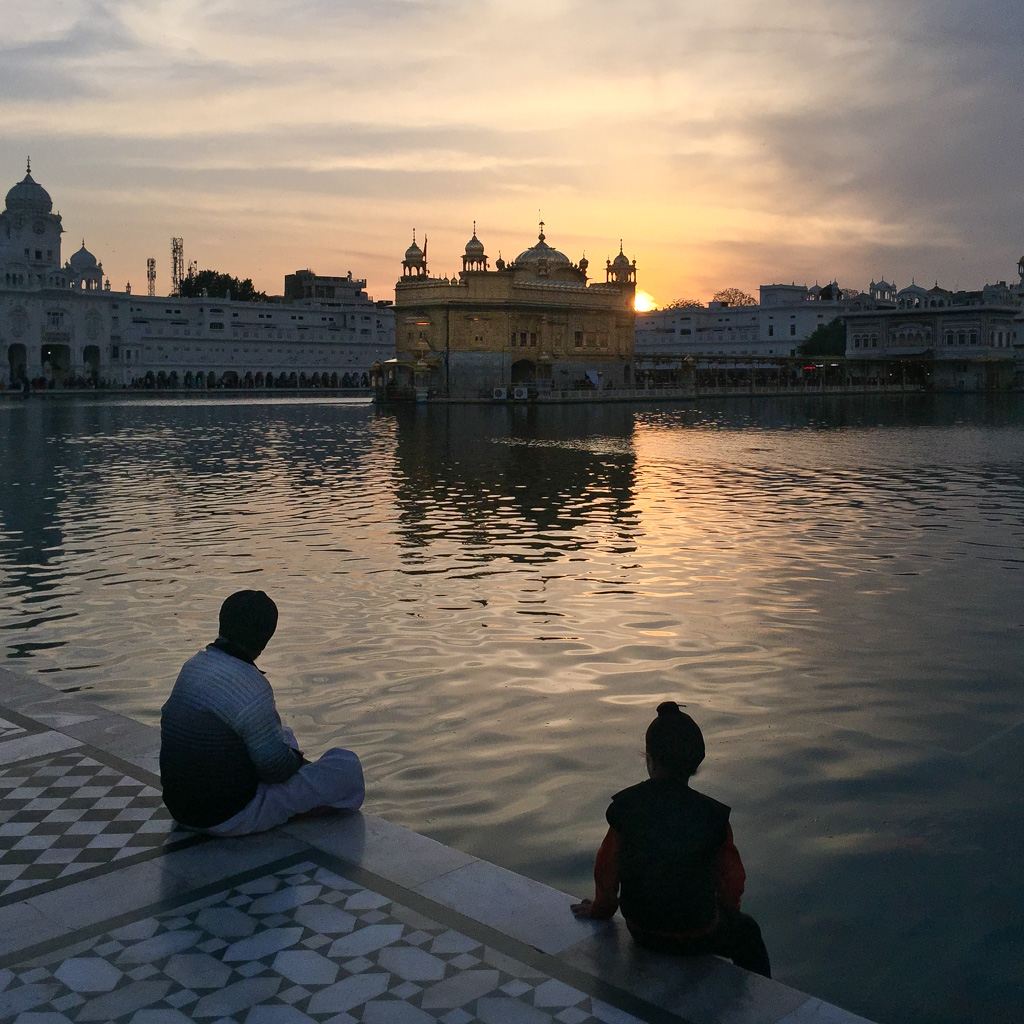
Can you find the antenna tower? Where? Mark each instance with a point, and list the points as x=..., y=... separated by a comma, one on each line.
x=177, y=265
x=151, y=276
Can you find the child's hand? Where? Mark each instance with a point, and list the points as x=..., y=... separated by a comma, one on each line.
x=583, y=909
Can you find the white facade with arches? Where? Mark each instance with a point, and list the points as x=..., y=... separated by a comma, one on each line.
x=64, y=325
x=956, y=339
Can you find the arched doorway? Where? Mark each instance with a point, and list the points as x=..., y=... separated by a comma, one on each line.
x=91, y=359
x=524, y=371
x=18, y=362
x=56, y=360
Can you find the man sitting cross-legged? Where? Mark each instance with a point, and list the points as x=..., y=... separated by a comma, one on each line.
x=227, y=765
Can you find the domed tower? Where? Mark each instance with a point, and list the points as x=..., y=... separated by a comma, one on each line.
x=474, y=257
x=415, y=262
x=85, y=273
x=29, y=235
x=542, y=260
x=620, y=270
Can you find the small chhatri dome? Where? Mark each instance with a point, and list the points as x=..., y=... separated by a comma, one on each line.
x=415, y=262
x=474, y=247
x=28, y=196
x=622, y=260
x=82, y=260
x=414, y=252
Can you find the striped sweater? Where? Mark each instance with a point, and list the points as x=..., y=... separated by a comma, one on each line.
x=220, y=736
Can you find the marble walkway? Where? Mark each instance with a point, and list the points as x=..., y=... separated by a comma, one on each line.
x=110, y=913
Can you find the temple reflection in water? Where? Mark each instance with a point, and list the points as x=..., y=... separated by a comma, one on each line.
x=557, y=472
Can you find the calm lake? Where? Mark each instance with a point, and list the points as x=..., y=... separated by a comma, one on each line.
x=488, y=603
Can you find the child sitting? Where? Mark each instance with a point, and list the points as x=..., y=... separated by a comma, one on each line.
x=669, y=859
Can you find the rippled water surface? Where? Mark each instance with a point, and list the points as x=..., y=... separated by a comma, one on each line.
x=488, y=603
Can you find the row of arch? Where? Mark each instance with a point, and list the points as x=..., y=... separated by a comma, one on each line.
x=918, y=303
x=233, y=379
x=922, y=336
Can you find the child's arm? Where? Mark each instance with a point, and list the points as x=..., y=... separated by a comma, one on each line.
x=606, y=881
x=730, y=878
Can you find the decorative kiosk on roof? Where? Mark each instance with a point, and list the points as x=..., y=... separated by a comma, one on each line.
x=937, y=337
x=523, y=330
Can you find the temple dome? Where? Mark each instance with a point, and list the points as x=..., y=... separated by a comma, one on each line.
x=543, y=251
x=474, y=247
x=414, y=253
x=29, y=197
x=913, y=289
x=82, y=260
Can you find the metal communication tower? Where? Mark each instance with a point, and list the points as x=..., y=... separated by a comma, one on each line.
x=151, y=275
x=177, y=265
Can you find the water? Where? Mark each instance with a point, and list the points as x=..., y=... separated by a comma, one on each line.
x=488, y=604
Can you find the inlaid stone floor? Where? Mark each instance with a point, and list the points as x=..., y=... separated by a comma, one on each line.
x=110, y=913
x=292, y=946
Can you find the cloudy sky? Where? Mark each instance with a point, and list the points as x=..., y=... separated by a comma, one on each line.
x=726, y=142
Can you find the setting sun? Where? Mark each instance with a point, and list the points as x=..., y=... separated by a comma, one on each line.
x=644, y=302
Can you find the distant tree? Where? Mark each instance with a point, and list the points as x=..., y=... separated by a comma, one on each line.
x=827, y=340
x=734, y=297
x=217, y=286
x=685, y=304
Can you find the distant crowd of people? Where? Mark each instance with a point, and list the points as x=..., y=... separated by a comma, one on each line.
x=162, y=381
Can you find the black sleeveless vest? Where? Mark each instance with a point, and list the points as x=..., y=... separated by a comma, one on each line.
x=670, y=838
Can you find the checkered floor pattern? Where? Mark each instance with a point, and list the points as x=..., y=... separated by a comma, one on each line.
x=64, y=813
x=302, y=945
x=9, y=729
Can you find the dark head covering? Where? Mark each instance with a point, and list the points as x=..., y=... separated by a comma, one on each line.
x=248, y=619
x=674, y=740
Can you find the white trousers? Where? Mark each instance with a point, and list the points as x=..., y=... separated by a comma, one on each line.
x=334, y=780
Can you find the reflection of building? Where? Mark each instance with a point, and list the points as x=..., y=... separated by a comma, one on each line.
x=63, y=324
x=472, y=475
x=786, y=316
x=535, y=322
x=963, y=339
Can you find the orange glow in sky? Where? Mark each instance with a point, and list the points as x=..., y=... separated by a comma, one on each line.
x=322, y=136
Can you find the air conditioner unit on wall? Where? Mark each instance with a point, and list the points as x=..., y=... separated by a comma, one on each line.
x=500, y=394
x=520, y=393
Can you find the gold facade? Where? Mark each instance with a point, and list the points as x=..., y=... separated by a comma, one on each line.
x=536, y=322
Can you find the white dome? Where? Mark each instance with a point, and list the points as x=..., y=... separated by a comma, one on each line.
x=29, y=197
x=82, y=260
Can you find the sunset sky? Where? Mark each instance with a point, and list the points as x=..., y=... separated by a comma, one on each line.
x=726, y=143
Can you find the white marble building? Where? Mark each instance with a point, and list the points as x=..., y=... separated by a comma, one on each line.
x=786, y=316
x=63, y=324
x=947, y=339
